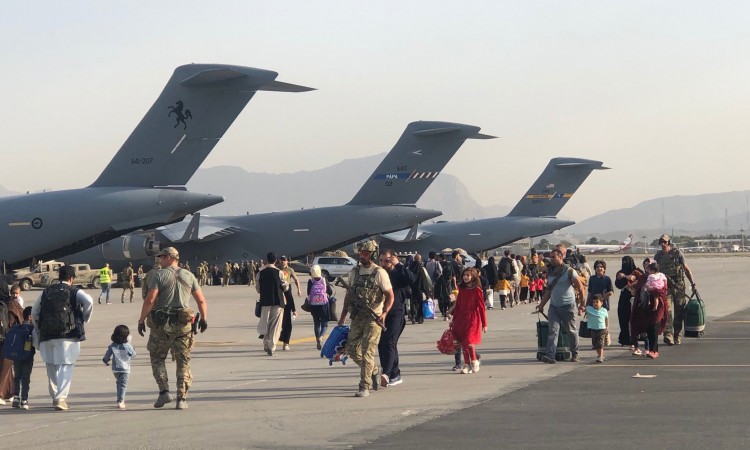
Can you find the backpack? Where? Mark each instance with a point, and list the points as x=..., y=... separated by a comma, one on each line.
x=56, y=316
x=17, y=344
x=318, y=295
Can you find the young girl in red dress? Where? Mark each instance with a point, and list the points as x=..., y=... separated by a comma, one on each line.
x=469, y=318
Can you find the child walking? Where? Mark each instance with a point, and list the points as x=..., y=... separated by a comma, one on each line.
x=120, y=352
x=469, y=318
x=503, y=290
x=524, y=284
x=23, y=362
x=598, y=322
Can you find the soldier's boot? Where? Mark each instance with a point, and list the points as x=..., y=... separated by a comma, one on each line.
x=163, y=399
x=375, y=378
x=362, y=392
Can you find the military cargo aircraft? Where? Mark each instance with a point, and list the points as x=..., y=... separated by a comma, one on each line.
x=144, y=184
x=386, y=202
x=534, y=215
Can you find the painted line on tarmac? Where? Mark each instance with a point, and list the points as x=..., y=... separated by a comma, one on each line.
x=58, y=423
x=717, y=322
x=263, y=380
x=655, y=366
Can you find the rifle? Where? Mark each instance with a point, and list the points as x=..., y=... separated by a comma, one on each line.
x=358, y=303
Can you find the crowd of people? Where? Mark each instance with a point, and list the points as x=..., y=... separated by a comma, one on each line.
x=382, y=293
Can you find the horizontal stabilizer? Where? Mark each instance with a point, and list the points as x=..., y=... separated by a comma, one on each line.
x=555, y=186
x=190, y=116
x=415, y=161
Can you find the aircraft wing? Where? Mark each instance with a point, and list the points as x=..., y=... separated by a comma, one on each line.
x=198, y=229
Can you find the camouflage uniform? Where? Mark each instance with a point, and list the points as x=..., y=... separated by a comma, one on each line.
x=364, y=332
x=202, y=273
x=169, y=327
x=127, y=283
x=671, y=264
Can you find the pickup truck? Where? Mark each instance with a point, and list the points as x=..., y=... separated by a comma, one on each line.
x=28, y=277
x=85, y=277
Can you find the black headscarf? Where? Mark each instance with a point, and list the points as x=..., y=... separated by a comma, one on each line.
x=628, y=265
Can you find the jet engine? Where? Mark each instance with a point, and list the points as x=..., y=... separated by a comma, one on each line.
x=125, y=248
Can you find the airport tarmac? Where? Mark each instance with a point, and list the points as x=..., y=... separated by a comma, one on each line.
x=242, y=398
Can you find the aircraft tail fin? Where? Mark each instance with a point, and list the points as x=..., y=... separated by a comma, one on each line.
x=627, y=243
x=415, y=161
x=195, y=109
x=555, y=186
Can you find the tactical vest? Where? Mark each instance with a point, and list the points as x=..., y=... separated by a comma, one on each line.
x=367, y=289
x=669, y=265
x=104, y=275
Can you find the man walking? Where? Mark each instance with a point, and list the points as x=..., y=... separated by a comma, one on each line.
x=562, y=281
x=59, y=316
x=370, y=294
x=401, y=278
x=672, y=264
x=105, y=278
x=271, y=287
x=127, y=282
x=168, y=315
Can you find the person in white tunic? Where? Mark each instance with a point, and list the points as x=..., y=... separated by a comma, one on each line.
x=60, y=354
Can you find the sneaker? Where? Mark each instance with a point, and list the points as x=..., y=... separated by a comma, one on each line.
x=574, y=357
x=99, y=300
x=465, y=369
x=16, y=402
x=395, y=381
x=163, y=399
x=475, y=366
x=375, y=378
x=2, y=402
x=668, y=340
x=269, y=352
x=651, y=355
x=181, y=404
x=109, y=303
x=122, y=300
x=677, y=340
x=546, y=359
x=121, y=406
x=362, y=392
x=599, y=360
x=61, y=405
x=637, y=352
x=632, y=348
x=445, y=318
x=502, y=309
x=286, y=347
x=456, y=367
x=25, y=404
x=384, y=380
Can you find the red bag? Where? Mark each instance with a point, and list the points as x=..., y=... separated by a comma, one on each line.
x=447, y=345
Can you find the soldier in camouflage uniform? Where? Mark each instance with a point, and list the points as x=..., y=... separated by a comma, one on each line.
x=672, y=264
x=127, y=282
x=166, y=310
x=202, y=273
x=370, y=288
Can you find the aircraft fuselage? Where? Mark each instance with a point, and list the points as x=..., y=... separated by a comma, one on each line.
x=51, y=224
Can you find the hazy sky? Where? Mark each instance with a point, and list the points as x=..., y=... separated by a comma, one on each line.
x=659, y=91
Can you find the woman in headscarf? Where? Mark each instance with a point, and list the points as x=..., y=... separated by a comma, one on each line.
x=490, y=271
x=623, y=306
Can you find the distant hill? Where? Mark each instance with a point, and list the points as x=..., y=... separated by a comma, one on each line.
x=692, y=215
x=253, y=192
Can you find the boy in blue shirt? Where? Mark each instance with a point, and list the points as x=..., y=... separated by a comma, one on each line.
x=22, y=368
x=598, y=323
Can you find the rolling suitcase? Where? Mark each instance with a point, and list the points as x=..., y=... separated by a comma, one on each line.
x=563, y=341
x=695, y=316
x=335, y=347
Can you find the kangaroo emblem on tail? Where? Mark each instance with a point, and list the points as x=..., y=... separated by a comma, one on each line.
x=177, y=110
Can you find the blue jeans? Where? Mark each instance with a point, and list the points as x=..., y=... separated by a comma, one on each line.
x=320, y=317
x=22, y=378
x=105, y=290
x=121, y=378
x=562, y=316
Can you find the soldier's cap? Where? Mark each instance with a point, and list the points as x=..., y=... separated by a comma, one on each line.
x=169, y=251
x=284, y=258
x=664, y=238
